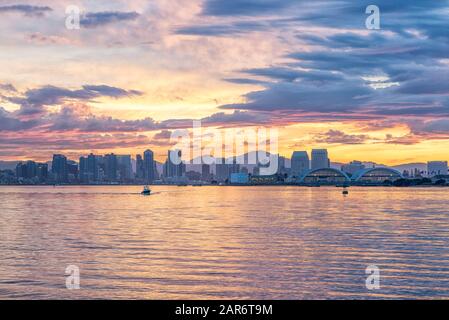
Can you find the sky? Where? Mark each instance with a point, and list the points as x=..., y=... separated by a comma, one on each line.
x=138, y=70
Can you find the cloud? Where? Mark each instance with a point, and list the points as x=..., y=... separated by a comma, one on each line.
x=34, y=101
x=42, y=39
x=354, y=73
x=7, y=87
x=340, y=137
x=292, y=74
x=9, y=123
x=96, y=19
x=163, y=135
x=440, y=126
x=113, y=92
x=68, y=119
x=244, y=7
x=236, y=118
x=223, y=29
x=307, y=97
x=409, y=139
x=27, y=10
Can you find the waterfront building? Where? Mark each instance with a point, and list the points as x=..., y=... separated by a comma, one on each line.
x=172, y=170
x=320, y=159
x=264, y=180
x=93, y=167
x=256, y=171
x=300, y=163
x=205, y=172
x=435, y=168
x=72, y=171
x=149, y=166
x=221, y=170
x=26, y=170
x=377, y=176
x=83, y=173
x=110, y=167
x=325, y=176
x=193, y=176
x=7, y=177
x=124, y=167
x=59, y=168
x=42, y=172
x=233, y=166
x=239, y=178
x=281, y=165
x=140, y=170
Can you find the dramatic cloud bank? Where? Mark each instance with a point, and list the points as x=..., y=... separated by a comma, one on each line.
x=310, y=66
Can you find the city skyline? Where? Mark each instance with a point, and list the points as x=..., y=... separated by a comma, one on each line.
x=143, y=169
x=328, y=82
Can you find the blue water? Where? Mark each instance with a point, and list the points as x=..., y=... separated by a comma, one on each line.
x=223, y=242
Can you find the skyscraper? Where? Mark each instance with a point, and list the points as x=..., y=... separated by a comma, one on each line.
x=205, y=172
x=320, y=159
x=234, y=167
x=140, y=171
x=59, y=168
x=42, y=172
x=83, y=173
x=281, y=165
x=26, y=170
x=149, y=166
x=300, y=163
x=221, y=170
x=172, y=170
x=110, y=162
x=124, y=167
x=72, y=170
x=92, y=167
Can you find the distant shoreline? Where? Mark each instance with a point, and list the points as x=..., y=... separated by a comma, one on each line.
x=226, y=185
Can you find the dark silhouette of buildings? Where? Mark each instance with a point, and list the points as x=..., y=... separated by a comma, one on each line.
x=59, y=168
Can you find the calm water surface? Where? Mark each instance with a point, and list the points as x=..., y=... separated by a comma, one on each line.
x=223, y=242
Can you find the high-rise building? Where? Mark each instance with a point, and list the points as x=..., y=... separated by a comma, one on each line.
x=93, y=167
x=149, y=166
x=83, y=173
x=32, y=170
x=221, y=170
x=26, y=170
x=281, y=165
x=111, y=166
x=140, y=171
x=72, y=170
x=320, y=159
x=59, y=168
x=300, y=163
x=435, y=168
x=172, y=170
x=234, y=167
x=205, y=172
x=42, y=172
x=124, y=167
